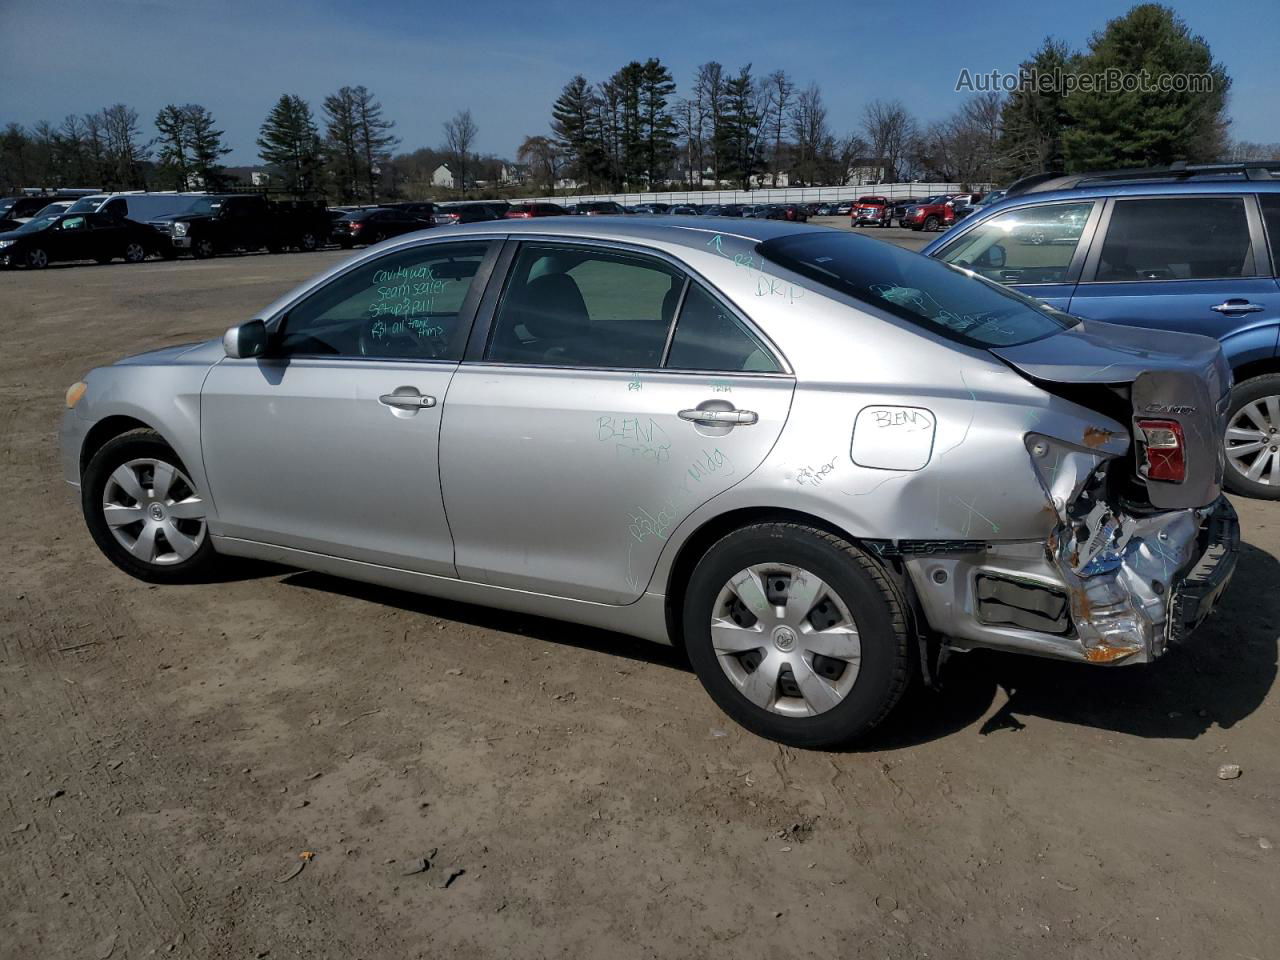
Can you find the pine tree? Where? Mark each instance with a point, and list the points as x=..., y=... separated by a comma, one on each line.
x=342, y=142
x=1140, y=128
x=173, y=155
x=207, y=150
x=1033, y=118
x=576, y=126
x=374, y=138
x=290, y=141
x=659, y=127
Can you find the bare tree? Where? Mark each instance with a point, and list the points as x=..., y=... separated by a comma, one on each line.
x=808, y=121
x=459, y=135
x=543, y=157
x=778, y=87
x=890, y=131
x=708, y=94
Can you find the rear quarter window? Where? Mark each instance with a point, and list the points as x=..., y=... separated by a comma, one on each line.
x=945, y=300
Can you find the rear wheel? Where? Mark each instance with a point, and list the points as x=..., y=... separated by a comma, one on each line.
x=144, y=511
x=134, y=252
x=308, y=242
x=37, y=258
x=1253, y=438
x=796, y=634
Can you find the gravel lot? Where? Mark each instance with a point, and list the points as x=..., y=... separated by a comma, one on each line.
x=170, y=753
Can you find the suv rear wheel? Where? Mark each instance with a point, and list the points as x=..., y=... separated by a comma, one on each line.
x=1253, y=438
x=796, y=634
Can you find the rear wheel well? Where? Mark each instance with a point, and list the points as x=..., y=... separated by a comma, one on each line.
x=103, y=431
x=1256, y=368
x=713, y=530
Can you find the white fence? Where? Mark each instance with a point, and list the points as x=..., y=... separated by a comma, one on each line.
x=893, y=191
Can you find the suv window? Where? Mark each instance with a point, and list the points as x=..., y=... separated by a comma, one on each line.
x=709, y=337
x=917, y=289
x=1177, y=238
x=576, y=307
x=1032, y=244
x=405, y=305
x=1271, y=217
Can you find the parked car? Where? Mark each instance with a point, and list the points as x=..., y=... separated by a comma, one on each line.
x=524, y=211
x=451, y=214
x=228, y=223
x=685, y=210
x=900, y=208
x=79, y=236
x=965, y=203
x=22, y=208
x=724, y=210
x=367, y=227
x=929, y=214
x=423, y=210
x=794, y=212
x=1189, y=248
x=756, y=211
x=597, y=208
x=872, y=209
x=53, y=209
x=844, y=208
x=809, y=538
x=137, y=205
x=651, y=208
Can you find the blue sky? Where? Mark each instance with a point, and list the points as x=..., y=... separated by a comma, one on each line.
x=507, y=61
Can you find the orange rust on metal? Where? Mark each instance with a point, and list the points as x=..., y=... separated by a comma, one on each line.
x=1095, y=437
x=1108, y=654
x=1082, y=603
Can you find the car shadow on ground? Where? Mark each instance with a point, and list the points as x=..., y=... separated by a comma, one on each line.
x=1220, y=677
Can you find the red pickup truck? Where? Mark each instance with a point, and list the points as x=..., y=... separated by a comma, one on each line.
x=930, y=214
x=877, y=210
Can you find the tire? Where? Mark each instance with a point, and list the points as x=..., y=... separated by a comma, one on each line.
x=37, y=258
x=1253, y=420
x=169, y=537
x=202, y=248
x=930, y=224
x=848, y=705
x=134, y=253
x=308, y=242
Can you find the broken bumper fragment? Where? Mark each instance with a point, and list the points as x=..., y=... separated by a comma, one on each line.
x=1149, y=581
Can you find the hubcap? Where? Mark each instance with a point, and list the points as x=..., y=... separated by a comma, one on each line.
x=153, y=511
x=38, y=258
x=1253, y=441
x=134, y=252
x=785, y=640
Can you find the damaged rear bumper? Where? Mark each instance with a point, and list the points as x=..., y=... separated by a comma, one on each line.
x=1158, y=578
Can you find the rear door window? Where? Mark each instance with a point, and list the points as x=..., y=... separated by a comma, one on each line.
x=1176, y=238
x=580, y=307
x=709, y=337
x=922, y=291
x=1033, y=244
x=1271, y=217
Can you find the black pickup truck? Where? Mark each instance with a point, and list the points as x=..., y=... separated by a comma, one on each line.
x=226, y=223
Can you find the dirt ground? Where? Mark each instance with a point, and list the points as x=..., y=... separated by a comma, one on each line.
x=170, y=752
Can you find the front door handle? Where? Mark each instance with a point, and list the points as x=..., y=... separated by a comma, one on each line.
x=719, y=416
x=1237, y=306
x=411, y=401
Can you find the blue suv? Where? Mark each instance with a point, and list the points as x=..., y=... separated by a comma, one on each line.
x=1188, y=248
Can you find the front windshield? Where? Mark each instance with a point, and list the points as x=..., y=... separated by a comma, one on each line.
x=7, y=205
x=34, y=225
x=86, y=205
x=206, y=205
x=955, y=303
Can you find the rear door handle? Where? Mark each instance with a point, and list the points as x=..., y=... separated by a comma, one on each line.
x=719, y=416
x=407, y=401
x=1237, y=306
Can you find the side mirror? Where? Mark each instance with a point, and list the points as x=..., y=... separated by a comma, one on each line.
x=245, y=340
x=995, y=256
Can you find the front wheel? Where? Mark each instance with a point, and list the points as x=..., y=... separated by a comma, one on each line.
x=202, y=248
x=134, y=252
x=37, y=258
x=144, y=511
x=1253, y=438
x=931, y=224
x=308, y=242
x=796, y=634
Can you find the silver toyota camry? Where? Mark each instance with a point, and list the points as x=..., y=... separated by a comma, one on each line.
x=816, y=461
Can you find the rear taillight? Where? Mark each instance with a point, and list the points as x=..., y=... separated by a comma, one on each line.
x=357, y=227
x=1165, y=452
